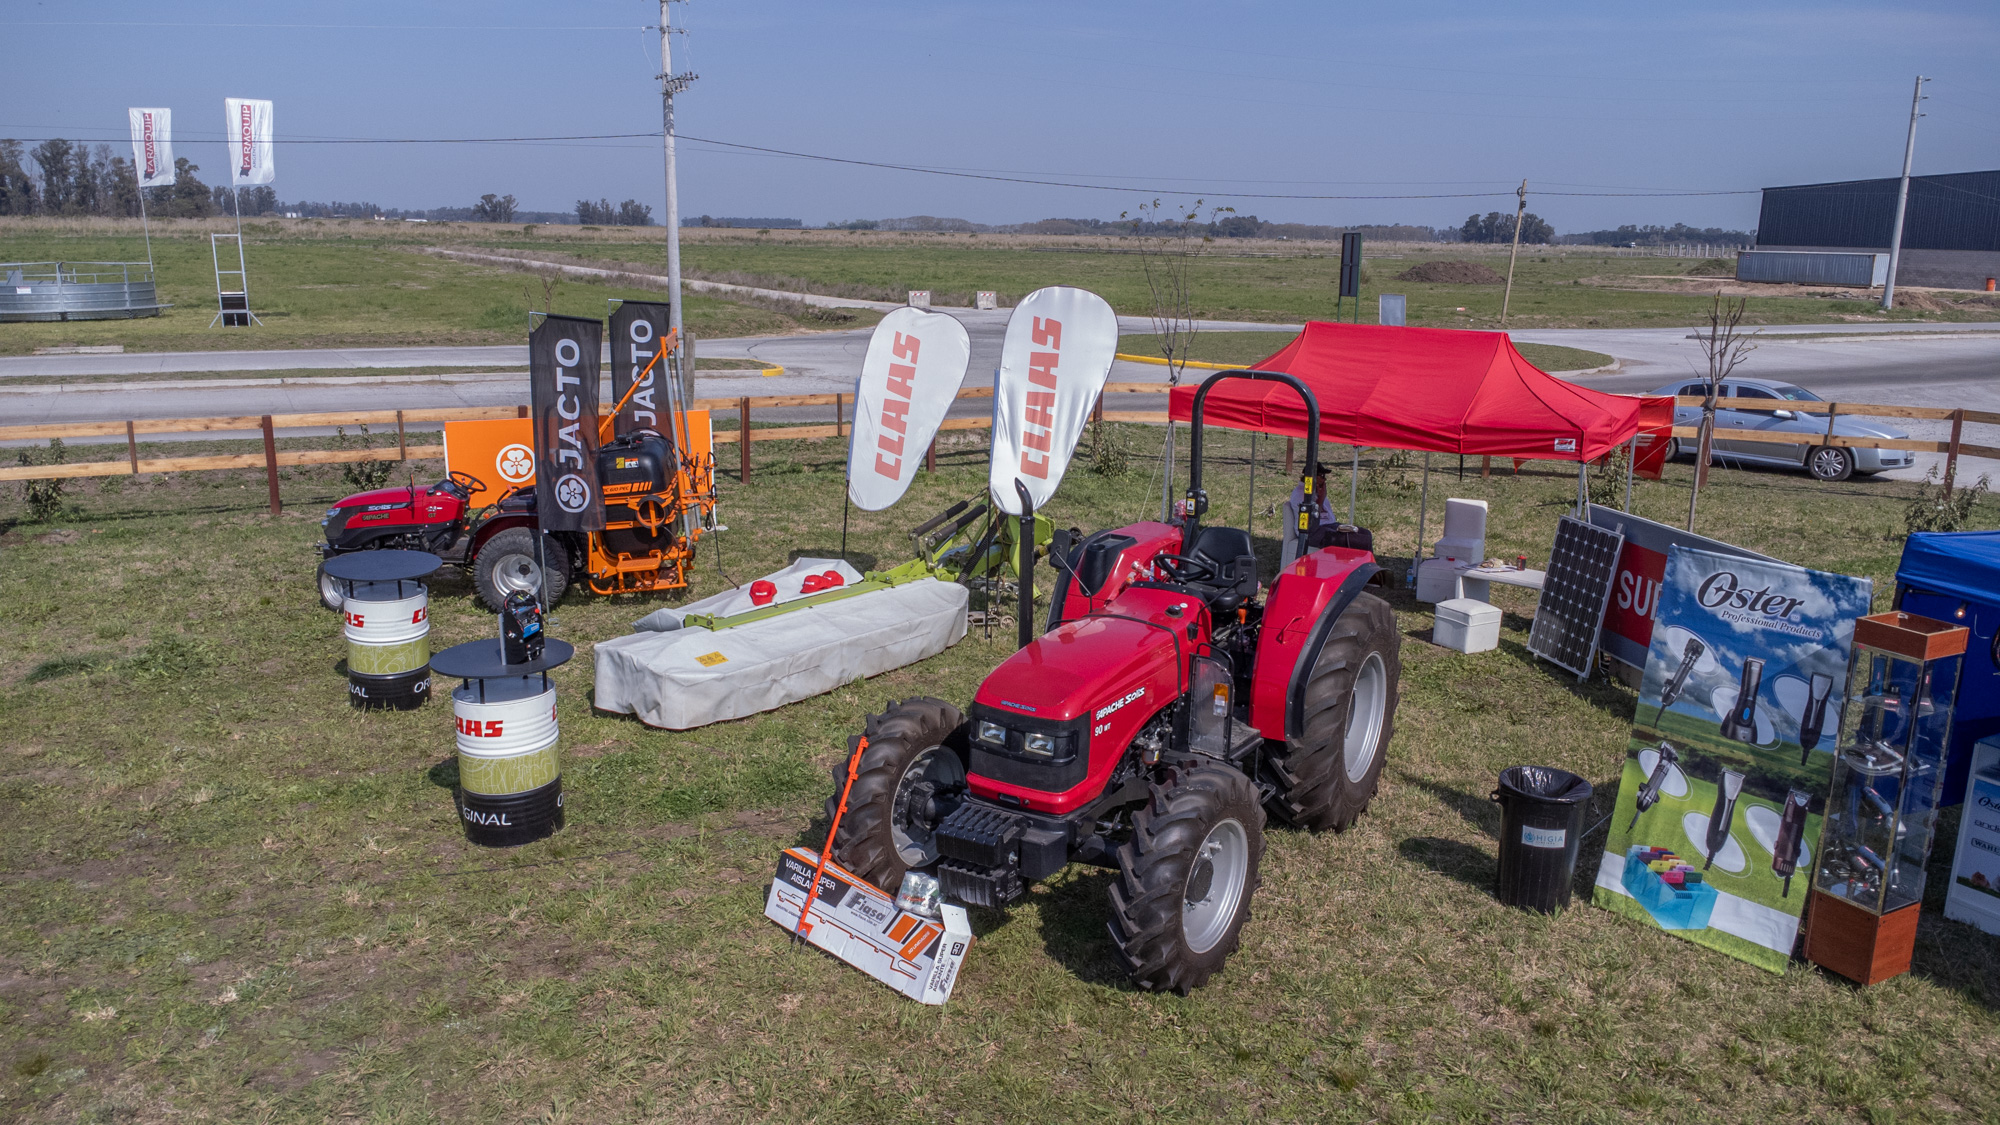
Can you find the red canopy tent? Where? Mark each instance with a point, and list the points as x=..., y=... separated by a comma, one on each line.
x=1432, y=389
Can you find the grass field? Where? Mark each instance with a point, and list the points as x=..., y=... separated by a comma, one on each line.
x=353, y=282
x=231, y=897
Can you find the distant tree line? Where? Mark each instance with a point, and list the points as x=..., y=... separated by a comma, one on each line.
x=1630, y=235
x=71, y=178
x=630, y=213
x=754, y=223
x=1497, y=226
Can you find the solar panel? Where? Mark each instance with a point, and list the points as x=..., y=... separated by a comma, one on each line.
x=1570, y=615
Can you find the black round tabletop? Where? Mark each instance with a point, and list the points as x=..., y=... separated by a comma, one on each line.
x=382, y=566
x=482, y=660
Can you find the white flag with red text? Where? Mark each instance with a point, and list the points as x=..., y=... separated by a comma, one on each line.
x=248, y=130
x=1060, y=343
x=915, y=363
x=153, y=146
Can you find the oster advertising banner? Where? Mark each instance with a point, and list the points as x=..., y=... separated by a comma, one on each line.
x=637, y=327
x=1642, y=567
x=152, y=146
x=563, y=381
x=915, y=363
x=247, y=127
x=1060, y=343
x=1716, y=829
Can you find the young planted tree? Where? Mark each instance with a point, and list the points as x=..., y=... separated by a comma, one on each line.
x=1167, y=257
x=1725, y=345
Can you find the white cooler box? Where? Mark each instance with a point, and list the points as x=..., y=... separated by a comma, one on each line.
x=1466, y=625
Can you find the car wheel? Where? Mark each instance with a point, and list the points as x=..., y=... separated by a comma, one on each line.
x=1674, y=449
x=1830, y=463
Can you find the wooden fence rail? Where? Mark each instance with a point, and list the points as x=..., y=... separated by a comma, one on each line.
x=743, y=433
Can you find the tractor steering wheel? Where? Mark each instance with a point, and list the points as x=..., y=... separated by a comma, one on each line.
x=1185, y=568
x=465, y=484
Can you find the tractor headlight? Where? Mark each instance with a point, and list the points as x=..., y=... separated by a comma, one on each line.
x=993, y=734
x=1039, y=745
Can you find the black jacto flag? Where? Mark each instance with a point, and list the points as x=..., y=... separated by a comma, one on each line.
x=637, y=327
x=563, y=380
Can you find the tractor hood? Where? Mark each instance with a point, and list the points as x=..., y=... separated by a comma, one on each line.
x=381, y=499
x=1132, y=655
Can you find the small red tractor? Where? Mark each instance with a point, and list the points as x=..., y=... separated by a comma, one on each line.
x=1171, y=703
x=655, y=502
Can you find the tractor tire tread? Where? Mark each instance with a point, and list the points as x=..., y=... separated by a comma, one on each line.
x=1153, y=867
x=865, y=841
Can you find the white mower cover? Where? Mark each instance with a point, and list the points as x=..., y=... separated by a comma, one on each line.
x=690, y=677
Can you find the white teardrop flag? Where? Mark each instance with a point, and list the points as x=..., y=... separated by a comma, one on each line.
x=1060, y=342
x=915, y=363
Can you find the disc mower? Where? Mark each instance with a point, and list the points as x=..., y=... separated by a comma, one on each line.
x=1171, y=705
x=656, y=506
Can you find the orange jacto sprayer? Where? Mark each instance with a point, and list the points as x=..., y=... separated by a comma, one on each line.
x=608, y=421
x=853, y=768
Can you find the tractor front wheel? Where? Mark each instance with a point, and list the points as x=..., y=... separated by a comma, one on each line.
x=1327, y=777
x=1185, y=878
x=911, y=776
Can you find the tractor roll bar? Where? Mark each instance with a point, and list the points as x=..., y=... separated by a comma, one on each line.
x=1198, y=500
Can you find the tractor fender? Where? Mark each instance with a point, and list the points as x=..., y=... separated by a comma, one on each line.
x=1304, y=603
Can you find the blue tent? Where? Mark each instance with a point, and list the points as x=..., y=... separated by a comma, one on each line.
x=1955, y=577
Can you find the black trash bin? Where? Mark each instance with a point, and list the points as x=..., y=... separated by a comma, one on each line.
x=1541, y=827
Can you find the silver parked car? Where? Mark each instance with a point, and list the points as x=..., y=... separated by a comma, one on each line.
x=1826, y=462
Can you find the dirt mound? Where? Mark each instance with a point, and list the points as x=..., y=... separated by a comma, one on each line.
x=1452, y=273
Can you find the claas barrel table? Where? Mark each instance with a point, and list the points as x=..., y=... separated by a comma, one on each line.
x=509, y=764
x=385, y=611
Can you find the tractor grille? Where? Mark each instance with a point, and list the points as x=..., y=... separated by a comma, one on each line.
x=972, y=886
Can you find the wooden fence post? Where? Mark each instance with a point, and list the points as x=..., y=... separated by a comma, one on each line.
x=523, y=412
x=836, y=415
x=1097, y=408
x=271, y=462
x=1288, y=456
x=930, y=457
x=1951, y=451
x=132, y=447
x=402, y=446
x=743, y=437
x=1486, y=466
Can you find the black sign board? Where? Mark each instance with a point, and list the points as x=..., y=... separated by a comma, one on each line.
x=564, y=375
x=1350, y=265
x=637, y=327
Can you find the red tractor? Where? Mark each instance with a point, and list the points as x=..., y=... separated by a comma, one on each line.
x=1171, y=703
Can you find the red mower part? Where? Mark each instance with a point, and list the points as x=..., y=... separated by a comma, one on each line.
x=812, y=585
x=761, y=592
x=831, y=579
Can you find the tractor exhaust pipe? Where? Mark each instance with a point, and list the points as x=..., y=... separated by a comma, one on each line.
x=1024, y=616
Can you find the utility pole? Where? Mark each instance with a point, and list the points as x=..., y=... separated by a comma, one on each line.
x=671, y=84
x=1519, y=211
x=1903, y=197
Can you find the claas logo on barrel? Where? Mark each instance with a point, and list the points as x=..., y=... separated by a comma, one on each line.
x=473, y=728
x=354, y=620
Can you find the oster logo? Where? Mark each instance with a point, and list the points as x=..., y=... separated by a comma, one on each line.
x=896, y=406
x=474, y=728
x=1635, y=594
x=1039, y=418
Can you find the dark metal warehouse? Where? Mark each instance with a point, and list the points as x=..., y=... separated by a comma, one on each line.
x=1951, y=229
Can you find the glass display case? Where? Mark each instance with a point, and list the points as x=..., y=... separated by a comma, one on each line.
x=1881, y=810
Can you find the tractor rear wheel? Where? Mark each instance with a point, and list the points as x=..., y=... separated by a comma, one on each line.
x=1327, y=777
x=910, y=778
x=1185, y=878
x=506, y=564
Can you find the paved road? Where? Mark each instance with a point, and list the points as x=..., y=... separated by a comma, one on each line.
x=1920, y=365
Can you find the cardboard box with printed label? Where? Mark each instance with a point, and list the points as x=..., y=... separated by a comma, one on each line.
x=917, y=956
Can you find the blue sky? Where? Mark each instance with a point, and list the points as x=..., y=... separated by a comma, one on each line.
x=1225, y=100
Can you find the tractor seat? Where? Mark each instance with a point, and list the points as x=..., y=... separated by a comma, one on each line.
x=1229, y=551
